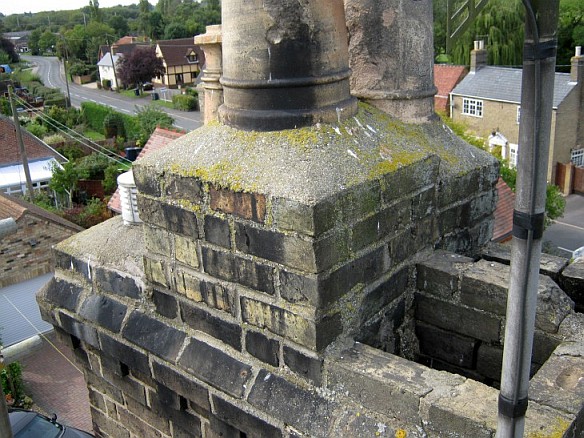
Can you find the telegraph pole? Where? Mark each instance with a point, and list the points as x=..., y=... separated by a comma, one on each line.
x=113, y=65
x=539, y=58
x=20, y=143
x=5, y=428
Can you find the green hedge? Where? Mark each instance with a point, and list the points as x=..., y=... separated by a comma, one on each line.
x=184, y=102
x=94, y=115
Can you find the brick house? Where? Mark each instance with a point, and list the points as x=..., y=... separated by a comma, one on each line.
x=182, y=60
x=41, y=159
x=26, y=263
x=488, y=101
x=446, y=77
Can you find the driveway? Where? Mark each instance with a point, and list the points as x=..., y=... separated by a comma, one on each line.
x=567, y=233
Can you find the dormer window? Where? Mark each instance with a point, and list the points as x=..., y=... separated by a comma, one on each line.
x=192, y=58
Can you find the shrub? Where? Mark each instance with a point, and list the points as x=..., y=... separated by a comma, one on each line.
x=184, y=102
x=111, y=173
x=12, y=383
x=72, y=152
x=93, y=115
x=37, y=130
x=54, y=139
x=149, y=118
x=87, y=216
x=70, y=117
x=106, y=84
x=113, y=125
x=93, y=166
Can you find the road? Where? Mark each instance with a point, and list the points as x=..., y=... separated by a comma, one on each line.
x=51, y=72
x=567, y=232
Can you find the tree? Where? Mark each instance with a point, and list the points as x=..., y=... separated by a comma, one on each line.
x=144, y=17
x=33, y=41
x=119, y=24
x=64, y=180
x=94, y=11
x=47, y=41
x=139, y=66
x=7, y=47
x=175, y=30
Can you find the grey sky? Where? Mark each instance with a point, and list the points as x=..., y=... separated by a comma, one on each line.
x=8, y=7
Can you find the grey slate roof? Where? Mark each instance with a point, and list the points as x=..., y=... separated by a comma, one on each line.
x=504, y=84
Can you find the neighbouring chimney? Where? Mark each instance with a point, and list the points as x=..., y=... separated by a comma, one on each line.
x=577, y=69
x=478, y=56
x=284, y=65
x=391, y=56
x=128, y=192
x=210, y=43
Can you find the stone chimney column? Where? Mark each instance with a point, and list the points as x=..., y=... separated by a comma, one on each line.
x=391, y=56
x=478, y=56
x=210, y=42
x=284, y=65
x=577, y=68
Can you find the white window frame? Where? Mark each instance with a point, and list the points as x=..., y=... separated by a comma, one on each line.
x=577, y=157
x=472, y=107
x=518, y=114
x=513, y=154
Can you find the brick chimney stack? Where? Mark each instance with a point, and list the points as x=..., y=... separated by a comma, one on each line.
x=478, y=56
x=577, y=69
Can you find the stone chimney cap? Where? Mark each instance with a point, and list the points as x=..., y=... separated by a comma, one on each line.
x=479, y=45
x=578, y=51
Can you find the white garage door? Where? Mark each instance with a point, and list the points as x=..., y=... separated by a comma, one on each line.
x=20, y=317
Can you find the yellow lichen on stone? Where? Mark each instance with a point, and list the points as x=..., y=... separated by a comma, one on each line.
x=400, y=433
x=556, y=431
x=397, y=160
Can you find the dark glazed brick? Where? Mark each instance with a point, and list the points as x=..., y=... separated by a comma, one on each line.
x=134, y=359
x=365, y=270
x=215, y=367
x=383, y=294
x=410, y=178
x=454, y=218
x=84, y=332
x=489, y=361
x=308, y=367
x=104, y=311
x=457, y=188
x=446, y=346
x=60, y=293
x=167, y=404
x=179, y=187
x=199, y=319
x=165, y=304
x=110, y=281
x=218, y=429
x=238, y=270
x=380, y=225
x=105, y=426
x=299, y=288
x=262, y=347
x=182, y=386
x=311, y=220
x=251, y=206
x=67, y=262
x=360, y=201
x=180, y=221
x=153, y=335
x=249, y=424
x=150, y=210
x=147, y=181
x=458, y=319
x=217, y=231
x=213, y=294
x=291, y=404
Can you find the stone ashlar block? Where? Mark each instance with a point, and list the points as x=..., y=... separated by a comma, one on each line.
x=97, y=400
x=355, y=422
x=544, y=345
x=409, y=179
x=483, y=205
x=365, y=269
x=307, y=366
x=182, y=385
x=155, y=271
x=215, y=295
x=458, y=319
x=438, y=275
x=311, y=220
x=227, y=266
x=153, y=335
x=572, y=281
x=178, y=187
x=165, y=304
x=293, y=405
x=113, y=282
x=359, y=201
x=559, y=384
x=489, y=361
x=134, y=359
x=315, y=335
x=147, y=181
x=423, y=204
x=247, y=423
x=485, y=285
x=217, y=231
x=215, y=367
x=454, y=218
x=171, y=217
x=103, y=311
x=384, y=383
x=60, y=293
x=200, y=319
x=185, y=251
x=380, y=225
x=83, y=332
x=158, y=241
x=262, y=347
x=150, y=210
x=250, y=206
x=446, y=346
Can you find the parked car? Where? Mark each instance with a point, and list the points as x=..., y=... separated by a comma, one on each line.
x=29, y=424
x=147, y=86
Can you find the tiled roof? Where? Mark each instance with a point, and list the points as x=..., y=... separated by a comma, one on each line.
x=445, y=78
x=504, y=84
x=503, y=212
x=35, y=148
x=174, y=52
x=159, y=139
x=11, y=207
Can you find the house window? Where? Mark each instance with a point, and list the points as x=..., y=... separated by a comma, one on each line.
x=472, y=107
x=518, y=114
x=178, y=78
x=192, y=58
x=513, y=154
x=578, y=157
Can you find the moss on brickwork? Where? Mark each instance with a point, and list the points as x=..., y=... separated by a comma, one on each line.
x=311, y=163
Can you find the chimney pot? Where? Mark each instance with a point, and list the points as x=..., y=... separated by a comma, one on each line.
x=578, y=51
